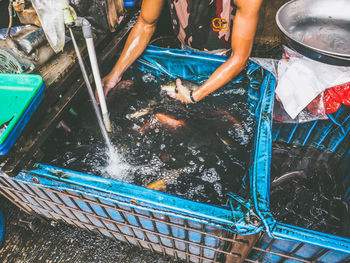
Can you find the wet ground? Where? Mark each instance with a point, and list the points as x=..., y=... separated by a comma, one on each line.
x=40, y=242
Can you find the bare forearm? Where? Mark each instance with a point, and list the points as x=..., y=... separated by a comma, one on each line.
x=221, y=76
x=136, y=43
x=243, y=32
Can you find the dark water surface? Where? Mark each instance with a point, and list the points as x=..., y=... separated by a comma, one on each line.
x=308, y=189
x=201, y=159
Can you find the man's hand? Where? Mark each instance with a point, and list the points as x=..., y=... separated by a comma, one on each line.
x=136, y=42
x=180, y=93
x=108, y=83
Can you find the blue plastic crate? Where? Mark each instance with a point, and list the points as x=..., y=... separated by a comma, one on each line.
x=161, y=222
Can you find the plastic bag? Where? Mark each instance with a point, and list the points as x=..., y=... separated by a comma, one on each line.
x=13, y=31
x=50, y=13
x=300, y=81
x=315, y=110
x=336, y=96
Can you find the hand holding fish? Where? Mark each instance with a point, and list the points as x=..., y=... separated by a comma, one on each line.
x=108, y=83
x=181, y=93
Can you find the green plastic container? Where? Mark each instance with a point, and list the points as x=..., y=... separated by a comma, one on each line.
x=20, y=94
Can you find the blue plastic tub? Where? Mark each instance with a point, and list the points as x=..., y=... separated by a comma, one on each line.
x=332, y=135
x=195, y=232
x=32, y=87
x=164, y=223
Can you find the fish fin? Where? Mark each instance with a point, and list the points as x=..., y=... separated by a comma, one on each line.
x=159, y=185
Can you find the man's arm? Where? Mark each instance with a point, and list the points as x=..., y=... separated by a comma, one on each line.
x=136, y=43
x=243, y=32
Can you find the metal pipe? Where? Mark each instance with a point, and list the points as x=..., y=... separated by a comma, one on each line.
x=87, y=32
x=91, y=93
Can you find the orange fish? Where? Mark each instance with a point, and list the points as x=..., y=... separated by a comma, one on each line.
x=230, y=118
x=162, y=119
x=169, y=121
x=158, y=185
x=168, y=178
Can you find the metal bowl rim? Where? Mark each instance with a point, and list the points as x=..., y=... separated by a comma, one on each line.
x=340, y=55
x=341, y=60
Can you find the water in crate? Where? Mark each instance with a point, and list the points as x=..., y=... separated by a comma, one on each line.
x=310, y=189
x=196, y=151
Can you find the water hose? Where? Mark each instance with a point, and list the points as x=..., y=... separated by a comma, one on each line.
x=91, y=93
x=82, y=22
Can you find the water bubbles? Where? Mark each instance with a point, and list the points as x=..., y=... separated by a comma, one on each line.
x=149, y=77
x=210, y=175
x=218, y=189
x=117, y=168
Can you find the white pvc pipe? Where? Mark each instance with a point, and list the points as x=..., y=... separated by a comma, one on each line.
x=98, y=82
x=91, y=93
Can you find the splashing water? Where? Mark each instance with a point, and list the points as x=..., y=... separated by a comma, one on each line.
x=116, y=167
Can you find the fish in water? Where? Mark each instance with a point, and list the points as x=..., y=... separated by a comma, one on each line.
x=169, y=121
x=159, y=185
x=143, y=112
x=224, y=141
x=171, y=86
x=163, y=120
x=168, y=178
x=228, y=117
x=287, y=177
x=124, y=85
x=139, y=113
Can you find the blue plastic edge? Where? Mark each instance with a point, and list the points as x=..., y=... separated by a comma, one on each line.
x=2, y=228
x=260, y=189
x=21, y=123
x=57, y=178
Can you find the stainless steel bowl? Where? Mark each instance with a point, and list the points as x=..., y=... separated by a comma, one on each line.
x=319, y=29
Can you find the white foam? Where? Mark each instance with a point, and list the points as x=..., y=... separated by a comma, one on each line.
x=210, y=175
x=117, y=168
x=149, y=77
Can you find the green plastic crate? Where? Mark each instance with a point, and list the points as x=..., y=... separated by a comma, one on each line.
x=20, y=94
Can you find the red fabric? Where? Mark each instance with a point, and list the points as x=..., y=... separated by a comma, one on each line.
x=334, y=97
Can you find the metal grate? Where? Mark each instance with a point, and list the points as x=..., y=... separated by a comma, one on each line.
x=166, y=234
x=267, y=249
